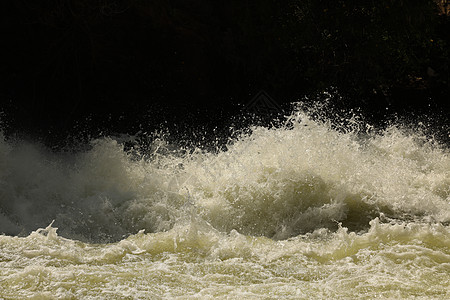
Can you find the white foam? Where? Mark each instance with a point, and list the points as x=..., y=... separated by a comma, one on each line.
x=277, y=182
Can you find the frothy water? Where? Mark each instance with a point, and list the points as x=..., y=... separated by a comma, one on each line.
x=304, y=210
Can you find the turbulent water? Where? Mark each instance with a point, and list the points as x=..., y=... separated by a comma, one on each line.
x=307, y=210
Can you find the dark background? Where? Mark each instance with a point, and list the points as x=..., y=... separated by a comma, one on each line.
x=91, y=66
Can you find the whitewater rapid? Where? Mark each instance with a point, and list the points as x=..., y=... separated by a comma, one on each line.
x=306, y=210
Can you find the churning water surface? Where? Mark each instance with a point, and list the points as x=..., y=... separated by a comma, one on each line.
x=306, y=210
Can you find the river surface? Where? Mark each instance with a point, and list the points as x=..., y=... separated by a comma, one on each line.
x=307, y=210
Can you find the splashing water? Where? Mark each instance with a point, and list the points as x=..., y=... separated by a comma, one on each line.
x=304, y=210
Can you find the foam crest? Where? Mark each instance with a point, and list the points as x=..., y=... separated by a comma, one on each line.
x=276, y=182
